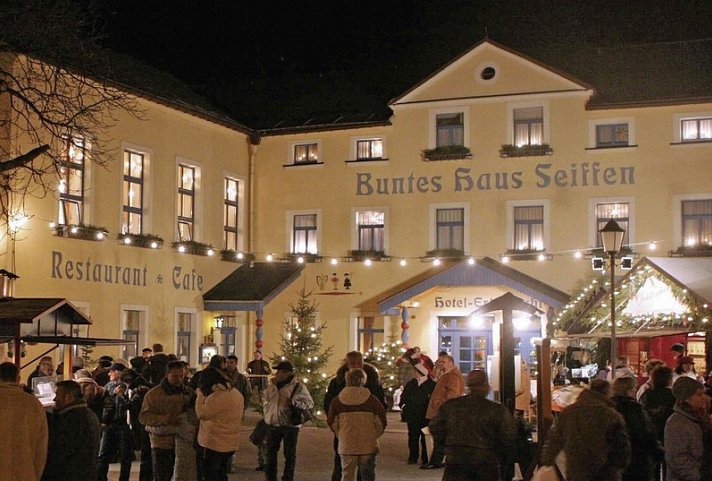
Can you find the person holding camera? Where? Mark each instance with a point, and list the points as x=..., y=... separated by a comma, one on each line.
x=116, y=434
x=281, y=399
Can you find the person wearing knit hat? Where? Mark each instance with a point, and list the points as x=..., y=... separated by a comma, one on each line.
x=685, y=431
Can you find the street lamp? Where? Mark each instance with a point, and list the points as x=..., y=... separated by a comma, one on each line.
x=612, y=238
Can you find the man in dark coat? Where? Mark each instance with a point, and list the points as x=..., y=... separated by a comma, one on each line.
x=645, y=448
x=414, y=405
x=478, y=434
x=593, y=437
x=354, y=359
x=74, y=434
x=117, y=437
x=155, y=369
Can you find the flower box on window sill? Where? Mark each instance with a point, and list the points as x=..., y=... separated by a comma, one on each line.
x=81, y=231
x=361, y=255
x=306, y=257
x=194, y=247
x=451, y=152
x=692, y=251
x=230, y=255
x=147, y=241
x=527, y=255
x=509, y=150
x=443, y=254
x=599, y=252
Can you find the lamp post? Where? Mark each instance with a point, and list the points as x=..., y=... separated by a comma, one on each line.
x=612, y=238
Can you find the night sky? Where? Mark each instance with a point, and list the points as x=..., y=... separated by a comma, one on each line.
x=265, y=60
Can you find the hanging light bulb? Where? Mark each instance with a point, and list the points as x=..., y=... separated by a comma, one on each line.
x=334, y=261
x=269, y=258
x=403, y=262
x=471, y=261
x=578, y=254
x=436, y=262
x=367, y=262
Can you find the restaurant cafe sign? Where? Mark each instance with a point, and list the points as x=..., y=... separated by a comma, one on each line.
x=463, y=179
x=91, y=271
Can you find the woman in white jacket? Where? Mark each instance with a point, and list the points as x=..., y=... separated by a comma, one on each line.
x=219, y=407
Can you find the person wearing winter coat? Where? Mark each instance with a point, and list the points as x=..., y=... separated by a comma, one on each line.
x=238, y=380
x=164, y=410
x=283, y=394
x=448, y=386
x=658, y=401
x=116, y=436
x=478, y=435
x=593, y=438
x=358, y=419
x=646, y=450
x=74, y=434
x=414, y=404
x=23, y=429
x=219, y=407
x=92, y=393
x=687, y=433
x=354, y=360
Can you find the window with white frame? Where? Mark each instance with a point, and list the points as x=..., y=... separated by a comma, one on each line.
x=528, y=227
x=696, y=129
x=607, y=211
x=450, y=228
x=697, y=222
x=133, y=325
x=186, y=202
x=528, y=126
x=71, y=181
x=231, y=214
x=304, y=233
x=184, y=335
x=305, y=153
x=133, y=192
x=449, y=129
x=371, y=230
x=369, y=149
x=612, y=135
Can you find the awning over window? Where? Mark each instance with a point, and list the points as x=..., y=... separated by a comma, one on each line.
x=485, y=272
x=251, y=287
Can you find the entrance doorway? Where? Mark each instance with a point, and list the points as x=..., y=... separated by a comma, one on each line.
x=468, y=342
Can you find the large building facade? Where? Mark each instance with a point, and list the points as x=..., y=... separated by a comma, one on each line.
x=492, y=176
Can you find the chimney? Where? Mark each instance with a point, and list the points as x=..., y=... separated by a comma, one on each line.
x=7, y=284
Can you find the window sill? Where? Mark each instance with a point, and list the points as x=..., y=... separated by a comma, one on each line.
x=146, y=241
x=304, y=164
x=378, y=161
x=526, y=255
x=442, y=157
x=613, y=148
x=194, y=248
x=692, y=142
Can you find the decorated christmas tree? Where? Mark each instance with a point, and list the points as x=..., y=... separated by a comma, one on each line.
x=301, y=344
x=385, y=359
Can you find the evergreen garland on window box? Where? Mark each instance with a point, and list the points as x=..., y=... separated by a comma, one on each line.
x=445, y=253
x=448, y=152
x=231, y=255
x=309, y=258
x=194, y=247
x=509, y=150
x=361, y=255
x=702, y=250
x=81, y=231
x=147, y=241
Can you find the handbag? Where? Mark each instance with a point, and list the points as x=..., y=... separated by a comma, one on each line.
x=299, y=415
x=259, y=434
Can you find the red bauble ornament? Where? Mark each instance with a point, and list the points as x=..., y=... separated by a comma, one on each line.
x=404, y=325
x=259, y=322
x=259, y=344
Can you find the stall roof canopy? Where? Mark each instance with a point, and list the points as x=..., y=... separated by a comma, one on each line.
x=693, y=274
x=15, y=311
x=485, y=272
x=251, y=287
x=70, y=340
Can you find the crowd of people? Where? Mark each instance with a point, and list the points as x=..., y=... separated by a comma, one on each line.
x=187, y=426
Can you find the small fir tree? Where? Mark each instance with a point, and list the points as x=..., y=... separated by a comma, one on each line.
x=301, y=344
x=386, y=359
